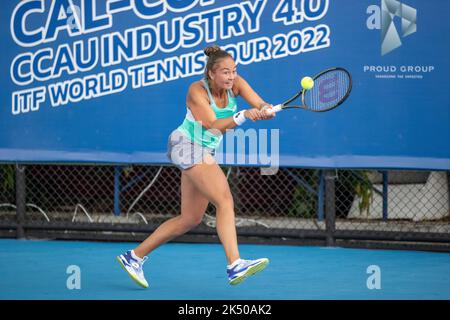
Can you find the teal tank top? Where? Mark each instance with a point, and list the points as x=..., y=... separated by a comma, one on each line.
x=196, y=132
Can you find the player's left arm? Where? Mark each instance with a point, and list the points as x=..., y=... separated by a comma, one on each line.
x=248, y=94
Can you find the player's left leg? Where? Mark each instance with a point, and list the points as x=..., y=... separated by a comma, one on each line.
x=211, y=181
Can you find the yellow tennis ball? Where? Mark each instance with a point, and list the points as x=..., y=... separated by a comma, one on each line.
x=307, y=83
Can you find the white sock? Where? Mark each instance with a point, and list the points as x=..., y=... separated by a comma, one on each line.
x=230, y=266
x=135, y=256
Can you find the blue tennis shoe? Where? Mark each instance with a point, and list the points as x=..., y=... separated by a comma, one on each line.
x=133, y=267
x=242, y=269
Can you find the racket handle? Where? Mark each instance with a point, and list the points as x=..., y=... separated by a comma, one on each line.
x=274, y=109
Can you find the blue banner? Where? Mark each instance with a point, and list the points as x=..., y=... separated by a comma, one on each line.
x=106, y=81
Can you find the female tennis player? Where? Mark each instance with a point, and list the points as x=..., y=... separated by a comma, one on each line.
x=211, y=110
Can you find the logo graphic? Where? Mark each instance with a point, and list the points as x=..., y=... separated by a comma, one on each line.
x=384, y=20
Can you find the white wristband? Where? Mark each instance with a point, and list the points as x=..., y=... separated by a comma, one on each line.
x=239, y=117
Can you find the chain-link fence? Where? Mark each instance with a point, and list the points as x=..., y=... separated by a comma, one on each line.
x=115, y=202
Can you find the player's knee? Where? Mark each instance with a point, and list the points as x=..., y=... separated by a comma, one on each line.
x=190, y=222
x=195, y=221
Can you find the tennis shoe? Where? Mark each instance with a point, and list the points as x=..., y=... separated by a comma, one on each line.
x=133, y=267
x=244, y=269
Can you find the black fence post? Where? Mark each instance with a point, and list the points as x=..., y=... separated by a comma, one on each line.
x=385, y=194
x=330, y=208
x=20, y=200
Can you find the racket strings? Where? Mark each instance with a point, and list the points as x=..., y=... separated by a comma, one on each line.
x=329, y=90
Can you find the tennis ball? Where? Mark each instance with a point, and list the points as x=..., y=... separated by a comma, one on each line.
x=307, y=83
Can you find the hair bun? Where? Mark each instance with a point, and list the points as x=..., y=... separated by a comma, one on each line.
x=209, y=51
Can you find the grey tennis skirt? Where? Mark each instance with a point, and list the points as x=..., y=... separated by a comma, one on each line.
x=183, y=152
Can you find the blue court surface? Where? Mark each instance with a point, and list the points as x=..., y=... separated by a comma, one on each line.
x=45, y=270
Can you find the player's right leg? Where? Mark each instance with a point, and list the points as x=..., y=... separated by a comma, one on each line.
x=193, y=206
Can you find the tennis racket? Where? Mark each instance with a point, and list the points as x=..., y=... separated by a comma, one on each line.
x=331, y=88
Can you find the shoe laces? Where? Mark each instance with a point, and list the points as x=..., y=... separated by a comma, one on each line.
x=141, y=263
x=242, y=263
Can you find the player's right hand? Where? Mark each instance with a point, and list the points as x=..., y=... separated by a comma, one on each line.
x=256, y=114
